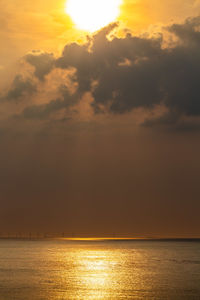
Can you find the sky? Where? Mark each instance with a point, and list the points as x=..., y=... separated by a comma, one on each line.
x=99, y=132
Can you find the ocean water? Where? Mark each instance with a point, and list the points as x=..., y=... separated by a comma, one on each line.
x=55, y=270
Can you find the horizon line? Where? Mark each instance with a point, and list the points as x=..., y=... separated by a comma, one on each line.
x=99, y=238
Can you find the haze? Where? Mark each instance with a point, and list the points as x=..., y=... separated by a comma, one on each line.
x=99, y=133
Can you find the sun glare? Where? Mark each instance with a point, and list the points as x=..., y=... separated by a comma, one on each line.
x=91, y=15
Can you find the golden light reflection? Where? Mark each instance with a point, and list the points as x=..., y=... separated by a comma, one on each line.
x=97, y=269
x=92, y=270
x=88, y=269
x=91, y=15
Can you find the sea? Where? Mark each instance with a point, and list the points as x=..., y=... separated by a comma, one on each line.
x=99, y=269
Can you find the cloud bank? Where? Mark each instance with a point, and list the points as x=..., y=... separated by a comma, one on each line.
x=122, y=74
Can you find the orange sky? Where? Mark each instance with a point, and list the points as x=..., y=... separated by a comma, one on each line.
x=26, y=25
x=103, y=136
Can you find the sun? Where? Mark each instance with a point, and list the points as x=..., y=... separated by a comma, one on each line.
x=91, y=15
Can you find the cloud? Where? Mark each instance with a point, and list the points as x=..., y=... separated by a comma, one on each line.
x=42, y=63
x=122, y=86
x=20, y=87
x=123, y=74
x=153, y=75
x=44, y=111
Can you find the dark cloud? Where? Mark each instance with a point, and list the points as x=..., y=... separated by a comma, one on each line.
x=45, y=110
x=42, y=111
x=188, y=32
x=42, y=63
x=124, y=87
x=134, y=72
x=129, y=73
x=20, y=87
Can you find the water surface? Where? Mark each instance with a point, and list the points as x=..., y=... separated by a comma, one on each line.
x=55, y=270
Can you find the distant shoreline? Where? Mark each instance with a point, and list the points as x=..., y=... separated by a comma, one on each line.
x=102, y=239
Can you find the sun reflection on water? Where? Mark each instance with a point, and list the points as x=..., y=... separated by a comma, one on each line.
x=62, y=270
x=93, y=269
